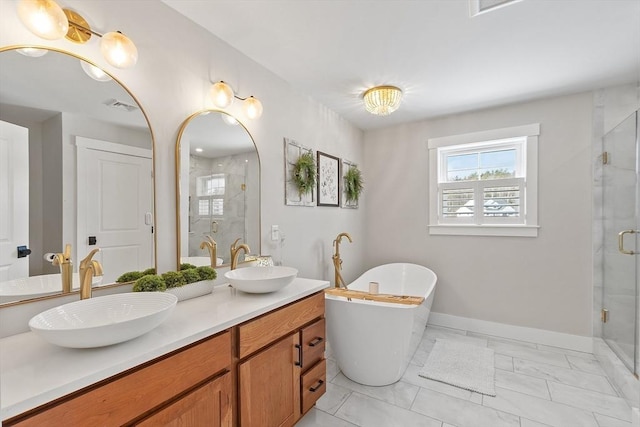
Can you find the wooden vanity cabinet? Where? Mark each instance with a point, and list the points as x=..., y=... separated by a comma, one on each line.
x=281, y=371
x=170, y=386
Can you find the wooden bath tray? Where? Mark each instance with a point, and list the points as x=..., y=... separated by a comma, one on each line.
x=397, y=299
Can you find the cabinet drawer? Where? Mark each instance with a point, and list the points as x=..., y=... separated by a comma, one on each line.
x=120, y=399
x=272, y=326
x=313, y=343
x=314, y=384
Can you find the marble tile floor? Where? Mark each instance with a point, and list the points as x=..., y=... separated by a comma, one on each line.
x=536, y=386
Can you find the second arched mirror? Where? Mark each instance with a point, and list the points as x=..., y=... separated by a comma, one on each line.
x=217, y=188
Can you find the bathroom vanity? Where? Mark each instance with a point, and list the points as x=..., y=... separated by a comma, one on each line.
x=225, y=359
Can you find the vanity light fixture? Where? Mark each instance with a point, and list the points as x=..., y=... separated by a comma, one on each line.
x=230, y=120
x=32, y=52
x=382, y=100
x=46, y=19
x=94, y=72
x=222, y=96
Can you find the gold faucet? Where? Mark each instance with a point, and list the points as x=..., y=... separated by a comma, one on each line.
x=88, y=268
x=235, y=251
x=337, y=262
x=211, y=245
x=64, y=261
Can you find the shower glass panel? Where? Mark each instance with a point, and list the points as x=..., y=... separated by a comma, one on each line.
x=620, y=213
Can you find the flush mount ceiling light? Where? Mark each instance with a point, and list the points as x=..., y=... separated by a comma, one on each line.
x=222, y=96
x=382, y=100
x=46, y=19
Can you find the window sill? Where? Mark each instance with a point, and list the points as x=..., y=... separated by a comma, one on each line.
x=509, y=230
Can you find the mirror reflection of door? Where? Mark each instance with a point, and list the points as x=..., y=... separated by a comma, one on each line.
x=219, y=187
x=59, y=101
x=14, y=200
x=115, y=210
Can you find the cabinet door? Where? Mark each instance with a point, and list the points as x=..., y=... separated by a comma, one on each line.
x=208, y=405
x=269, y=385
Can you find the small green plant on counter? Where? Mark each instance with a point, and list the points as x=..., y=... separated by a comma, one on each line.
x=304, y=173
x=206, y=273
x=170, y=279
x=173, y=279
x=148, y=271
x=150, y=283
x=190, y=275
x=130, y=276
x=186, y=266
x=353, y=184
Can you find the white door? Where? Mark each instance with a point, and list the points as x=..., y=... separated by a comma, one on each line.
x=14, y=200
x=115, y=206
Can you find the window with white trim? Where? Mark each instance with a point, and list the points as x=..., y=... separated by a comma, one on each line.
x=210, y=192
x=484, y=183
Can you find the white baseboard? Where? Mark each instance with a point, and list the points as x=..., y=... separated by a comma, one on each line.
x=538, y=336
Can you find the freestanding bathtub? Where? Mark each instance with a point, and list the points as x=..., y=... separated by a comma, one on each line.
x=373, y=342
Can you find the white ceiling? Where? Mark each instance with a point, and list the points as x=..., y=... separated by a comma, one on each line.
x=444, y=60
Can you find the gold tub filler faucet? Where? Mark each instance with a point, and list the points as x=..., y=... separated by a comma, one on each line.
x=63, y=260
x=337, y=262
x=235, y=252
x=88, y=268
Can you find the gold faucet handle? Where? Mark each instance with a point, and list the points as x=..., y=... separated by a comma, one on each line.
x=62, y=258
x=233, y=245
x=86, y=261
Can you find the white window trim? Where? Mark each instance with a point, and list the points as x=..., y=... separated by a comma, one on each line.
x=530, y=226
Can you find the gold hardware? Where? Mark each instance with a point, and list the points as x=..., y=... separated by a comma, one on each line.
x=214, y=227
x=235, y=251
x=621, y=248
x=211, y=246
x=604, y=315
x=337, y=262
x=605, y=158
x=243, y=187
x=64, y=261
x=79, y=29
x=88, y=268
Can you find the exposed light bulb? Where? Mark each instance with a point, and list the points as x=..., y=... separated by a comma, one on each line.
x=118, y=50
x=32, y=52
x=252, y=107
x=43, y=18
x=94, y=72
x=221, y=94
x=199, y=150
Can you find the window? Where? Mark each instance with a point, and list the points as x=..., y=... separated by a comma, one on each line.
x=210, y=193
x=485, y=183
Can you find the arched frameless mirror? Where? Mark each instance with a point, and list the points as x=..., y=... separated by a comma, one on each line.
x=217, y=188
x=77, y=168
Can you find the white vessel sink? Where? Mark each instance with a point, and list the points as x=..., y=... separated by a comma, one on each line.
x=261, y=280
x=38, y=286
x=101, y=321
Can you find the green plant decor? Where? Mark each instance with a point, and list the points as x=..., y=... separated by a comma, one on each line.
x=206, y=273
x=353, y=184
x=304, y=173
x=190, y=275
x=129, y=276
x=150, y=283
x=148, y=271
x=186, y=266
x=173, y=279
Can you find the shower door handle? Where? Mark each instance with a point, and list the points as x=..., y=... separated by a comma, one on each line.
x=621, y=242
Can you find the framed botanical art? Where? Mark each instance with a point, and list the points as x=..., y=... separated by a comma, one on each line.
x=352, y=184
x=328, y=180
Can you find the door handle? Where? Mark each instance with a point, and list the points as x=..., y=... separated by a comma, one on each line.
x=621, y=248
x=23, y=251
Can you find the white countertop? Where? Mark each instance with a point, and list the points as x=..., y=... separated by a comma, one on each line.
x=33, y=372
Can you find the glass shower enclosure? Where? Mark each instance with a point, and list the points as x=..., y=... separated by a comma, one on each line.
x=621, y=246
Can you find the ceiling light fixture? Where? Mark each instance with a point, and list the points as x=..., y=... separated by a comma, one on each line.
x=382, y=100
x=222, y=96
x=46, y=19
